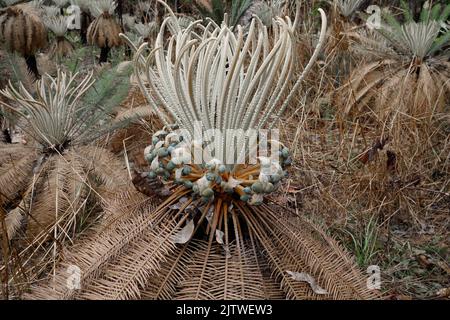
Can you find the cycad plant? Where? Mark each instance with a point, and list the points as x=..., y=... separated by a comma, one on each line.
x=337, y=51
x=49, y=184
x=85, y=18
x=348, y=7
x=23, y=31
x=147, y=32
x=104, y=30
x=217, y=235
x=61, y=47
x=408, y=65
x=217, y=10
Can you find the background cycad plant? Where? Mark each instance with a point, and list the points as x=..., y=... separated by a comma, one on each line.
x=23, y=31
x=419, y=39
x=410, y=67
x=104, y=30
x=348, y=7
x=209, y=239
x=47, y=183
x=61, y=47
x=85, y=18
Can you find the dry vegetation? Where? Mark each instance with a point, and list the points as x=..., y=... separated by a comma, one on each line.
x=87, y=177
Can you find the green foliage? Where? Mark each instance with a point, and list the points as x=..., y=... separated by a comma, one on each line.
x=74, y=60
x=364, y=242
x=435, y=13
x=109, y=90
x=406, y=11
x=235, y=9
x=239, y=7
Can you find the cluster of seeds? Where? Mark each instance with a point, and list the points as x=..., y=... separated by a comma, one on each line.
x=170, y=157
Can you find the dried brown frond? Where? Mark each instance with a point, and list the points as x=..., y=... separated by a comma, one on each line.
x=104, y=32
x=104, y=166
x=136, y=257
x=214, y=275
x=22, y=30
x=16, y=165
x=56, y=202
x=61, y=47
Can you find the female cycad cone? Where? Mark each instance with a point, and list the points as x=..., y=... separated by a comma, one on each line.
x=23, y=32
x=104, y=30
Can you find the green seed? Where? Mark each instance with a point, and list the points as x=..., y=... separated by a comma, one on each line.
x=160, y=171
x=186, y=171
x=268, y=187
x=275, y=178
x=163, y=152
x=171, y=166
x=149, y=157
x=245, y=198
x=208, y=193
x=258, y=187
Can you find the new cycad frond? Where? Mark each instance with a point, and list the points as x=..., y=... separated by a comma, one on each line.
x=348, y=7
x=104, y=30
x=61, y=47
x=54, y=117
x=57, y=24
x=99, y=7
x=224, y=79
x=212, y=79
x=51, y=11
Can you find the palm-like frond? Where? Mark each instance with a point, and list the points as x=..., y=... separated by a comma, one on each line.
x=98, y=7
x=53, y=117
x=414, y=38
x=408, y=68
x=16, y=165
x=348, y=7
x=57, y=24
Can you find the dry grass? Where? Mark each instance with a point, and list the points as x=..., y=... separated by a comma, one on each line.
x=391, y=164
